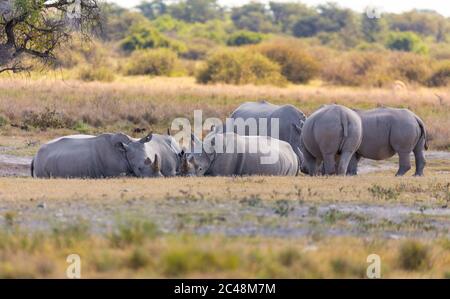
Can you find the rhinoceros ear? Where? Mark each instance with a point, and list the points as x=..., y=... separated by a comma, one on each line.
x=123, y=147
x=146, y=138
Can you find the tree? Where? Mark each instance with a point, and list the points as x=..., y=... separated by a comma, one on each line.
x=287, y=14
x=153, y=9
x=373, y=29
x=406, y=41
x=253, y=16
x=35, y=28
x=423, y=22
x=196, y=10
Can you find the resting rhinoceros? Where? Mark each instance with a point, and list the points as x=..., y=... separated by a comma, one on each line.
x=387, y=131
x=228, y=154
x=86, y=156
x=331, y=131
x=290, y=121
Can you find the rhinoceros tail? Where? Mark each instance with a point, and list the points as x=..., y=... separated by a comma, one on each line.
x=423, y=131
x=344, y=124
x=32, y=168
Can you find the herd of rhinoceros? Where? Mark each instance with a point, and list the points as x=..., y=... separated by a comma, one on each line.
x=330, y=141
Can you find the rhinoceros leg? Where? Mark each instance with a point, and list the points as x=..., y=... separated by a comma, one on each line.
x=344, y=162
x=329, y=164
x=404, y=163
x=353, y=165
x=419, y=157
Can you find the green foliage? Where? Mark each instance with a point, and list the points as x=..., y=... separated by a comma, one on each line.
x=441, y=75
x=425, y=23
x=243, y=37
x=157, y=62
x=133, y=232
x=240, y=67
x=296, y=65
x=3, y=120
x=144, y=36
x=406, y=41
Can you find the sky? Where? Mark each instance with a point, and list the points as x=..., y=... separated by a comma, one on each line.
x=441, y=6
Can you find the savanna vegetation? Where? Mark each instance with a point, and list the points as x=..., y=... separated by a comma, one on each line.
x=136, y=70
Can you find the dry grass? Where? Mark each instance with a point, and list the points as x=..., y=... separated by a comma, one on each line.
x=426, y=190
x=138, y=101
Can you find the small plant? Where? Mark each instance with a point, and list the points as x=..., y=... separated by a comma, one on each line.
x=157, y=62
x=283, y=207
x=241, y=38
x=91, y=73
x=441, y=75
x=133, y=232
x=3, y=120
x=413, y=256
x=252, y=201
x=49, y=118
x=380, y=192
x=81, y=127
x=139, y=259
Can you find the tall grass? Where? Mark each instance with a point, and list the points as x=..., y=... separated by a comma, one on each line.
x=154, y=103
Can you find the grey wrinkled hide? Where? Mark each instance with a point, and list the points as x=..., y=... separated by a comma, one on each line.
x=331, y=131
x=86, y=156
x=290, y=121
x=168, y=150
x=387, y=131
x=244, y=162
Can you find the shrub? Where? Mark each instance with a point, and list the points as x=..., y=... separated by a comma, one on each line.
x=358, y=68
x=92, y=73
x=410, y=67
x=158, y=62
x=144, y=36
x=243, y=37
x=413, y=256
x=3, y=120
x=240, y=67
x=406, y=41
x=296, y=65
x=48, y=118
x=440, y=76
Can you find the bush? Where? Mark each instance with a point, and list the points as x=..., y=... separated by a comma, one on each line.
x=406, y=41
x=92, y=73
x=240, y=67
x=3, y=120
x=144, y=36
x=158, y=62
x=241, y=38
x=358, y=68
x=409, y=67
x=296, y=65
x=441, y=76
x=413, y=256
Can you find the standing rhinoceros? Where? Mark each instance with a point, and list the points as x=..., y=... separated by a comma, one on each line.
x=331, y=131
x=86, y=156
x=387, y=131
x=290, y=121
x=228, y=154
